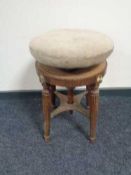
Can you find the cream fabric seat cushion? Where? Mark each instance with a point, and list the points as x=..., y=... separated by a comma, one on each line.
x=71, y=48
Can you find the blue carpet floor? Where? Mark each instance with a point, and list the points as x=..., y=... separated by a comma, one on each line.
x=24, y=152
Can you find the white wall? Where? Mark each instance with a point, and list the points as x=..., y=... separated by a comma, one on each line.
x=20, y=20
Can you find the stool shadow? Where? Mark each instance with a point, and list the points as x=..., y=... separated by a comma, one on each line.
x=79, y=126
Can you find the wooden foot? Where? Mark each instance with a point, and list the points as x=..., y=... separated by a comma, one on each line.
x=46, y=110
x=92, y=140
x=46, y=139
x=94, y=98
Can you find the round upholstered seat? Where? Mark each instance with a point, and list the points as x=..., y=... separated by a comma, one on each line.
x=71, y=48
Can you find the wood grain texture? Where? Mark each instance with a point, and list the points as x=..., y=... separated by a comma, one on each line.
x=94, y=101
x=72, y=78
x=46, y=98
x=70, y=97
x=88, y=96
x=52, y=91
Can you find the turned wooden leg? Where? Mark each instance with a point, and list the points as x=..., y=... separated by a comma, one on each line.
x=94, y=100
x=70, y=97
x=46, y=97
x=88, y=96
x=52, y=91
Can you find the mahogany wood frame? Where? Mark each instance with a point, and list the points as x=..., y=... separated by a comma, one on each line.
x=51, y=77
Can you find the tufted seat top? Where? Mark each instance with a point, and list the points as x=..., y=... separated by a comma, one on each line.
x=71, y=48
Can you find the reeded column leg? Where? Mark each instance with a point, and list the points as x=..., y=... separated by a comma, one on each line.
x=46, y=97
x=88, y=96
x=94, y=100
x=52, y=91
x=70, y=97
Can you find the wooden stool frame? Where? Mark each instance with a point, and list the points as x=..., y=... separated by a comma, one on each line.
x=51, y=77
